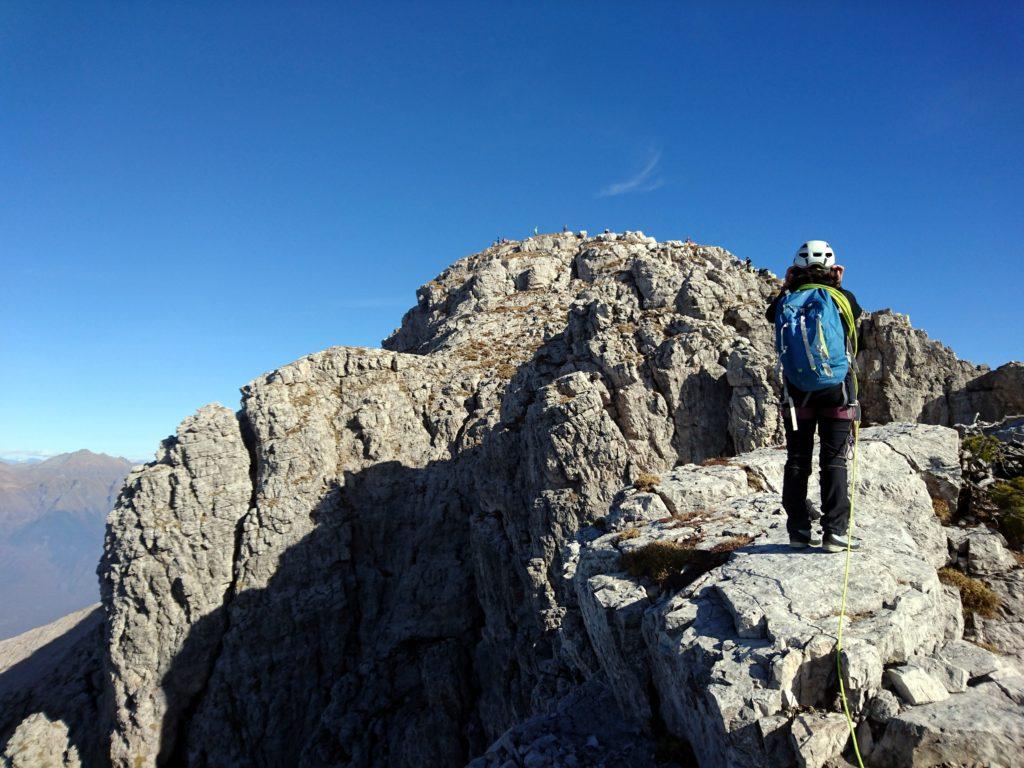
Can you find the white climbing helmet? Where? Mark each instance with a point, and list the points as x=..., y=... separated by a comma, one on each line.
x=815, y=253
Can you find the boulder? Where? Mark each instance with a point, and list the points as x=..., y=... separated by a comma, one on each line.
x=915, y=685
x=39, y=742
x=987, y=554
x=818, y=737
x=981, y=726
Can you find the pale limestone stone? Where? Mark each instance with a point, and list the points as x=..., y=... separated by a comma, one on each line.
x=915, y=685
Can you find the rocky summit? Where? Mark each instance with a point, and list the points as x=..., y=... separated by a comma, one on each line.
x=541, y=526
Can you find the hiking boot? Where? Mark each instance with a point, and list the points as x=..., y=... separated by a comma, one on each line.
x=837, y=543
x=802, y=539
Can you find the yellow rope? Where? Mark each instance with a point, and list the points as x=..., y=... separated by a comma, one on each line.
x=842, y=609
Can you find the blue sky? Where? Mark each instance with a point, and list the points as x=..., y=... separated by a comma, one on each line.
x=193, y=194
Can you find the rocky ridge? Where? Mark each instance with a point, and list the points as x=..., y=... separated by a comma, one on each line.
x=375, y=561
x=742, y=656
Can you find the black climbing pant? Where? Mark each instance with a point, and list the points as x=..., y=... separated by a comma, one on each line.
x=835, y=437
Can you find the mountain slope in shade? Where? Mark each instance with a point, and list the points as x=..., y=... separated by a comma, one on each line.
x=52, y=515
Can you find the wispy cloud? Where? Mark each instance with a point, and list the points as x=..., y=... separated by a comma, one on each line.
x=17, y=455
x=645, y=180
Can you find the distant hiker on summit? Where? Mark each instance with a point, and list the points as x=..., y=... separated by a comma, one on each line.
x=816, y=338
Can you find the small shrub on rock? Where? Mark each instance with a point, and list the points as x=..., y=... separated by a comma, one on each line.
x=984, y=447
x=661, y=560
x=1008, y=496
x=942, y=511
x=974, y=595
x=1011, y=524
x=646, y=481
x=629, y=533
x=715, y=461
x=732, y=544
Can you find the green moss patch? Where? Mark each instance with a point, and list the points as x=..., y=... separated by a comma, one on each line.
x=984, y=447
x=1008, y=496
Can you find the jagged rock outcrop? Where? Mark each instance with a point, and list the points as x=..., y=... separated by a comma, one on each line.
x=742, y=656
x=376, y=561
x=166, y=571
x=907, y=377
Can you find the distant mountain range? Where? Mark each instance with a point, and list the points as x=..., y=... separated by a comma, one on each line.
x=52, y=516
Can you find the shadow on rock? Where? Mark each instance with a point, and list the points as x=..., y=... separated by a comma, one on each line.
x=357, y=651
x=62, y=680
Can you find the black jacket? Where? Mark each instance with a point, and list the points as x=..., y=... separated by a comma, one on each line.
x=833, y=396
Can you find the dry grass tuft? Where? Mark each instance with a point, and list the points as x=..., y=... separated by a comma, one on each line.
x=974, y=595
x=661, y=560
x=942, y=511
x=306, y=399
x=754, y=480
x=732, y=544
x=628, y=533
x=983, y=644
x=715, y=461
x=646, y=481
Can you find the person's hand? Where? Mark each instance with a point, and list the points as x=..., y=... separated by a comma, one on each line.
x=838, y=270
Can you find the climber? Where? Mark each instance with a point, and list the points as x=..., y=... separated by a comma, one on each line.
x=823, y=363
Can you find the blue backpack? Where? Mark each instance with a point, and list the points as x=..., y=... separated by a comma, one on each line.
x=810, y=338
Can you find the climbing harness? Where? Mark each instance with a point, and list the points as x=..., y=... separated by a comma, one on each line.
x=846, y=579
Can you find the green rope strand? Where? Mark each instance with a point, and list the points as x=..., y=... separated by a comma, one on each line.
x=842, y=609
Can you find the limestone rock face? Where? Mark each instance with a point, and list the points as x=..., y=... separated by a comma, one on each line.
x=353, y=626
x=740, y=643
x=997, y=393
x=403, y=556
x=905, y=376
x=167, y=566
